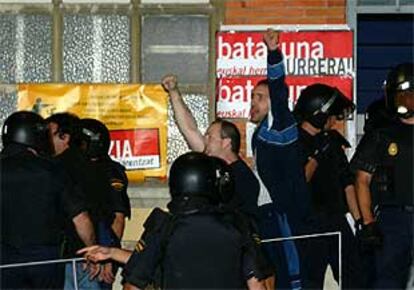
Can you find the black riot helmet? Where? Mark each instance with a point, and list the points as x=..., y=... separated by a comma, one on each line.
x=318, y=101
x=196, y=175
x=95, y=138
x=399, y=90
x=28, y=129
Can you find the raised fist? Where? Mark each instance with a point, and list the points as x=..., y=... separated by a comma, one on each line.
x=271, y=38
x=169, y=83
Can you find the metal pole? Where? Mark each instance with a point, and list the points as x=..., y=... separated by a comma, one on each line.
x=74, y=275
x=340, y=260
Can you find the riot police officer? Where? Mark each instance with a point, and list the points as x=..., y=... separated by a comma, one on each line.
x=95, y=141
x=330, y=181
x=66, y=138
x=36, y=198
x=198, y=243
x=384, y=166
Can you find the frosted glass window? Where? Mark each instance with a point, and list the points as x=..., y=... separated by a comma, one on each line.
x=26, y=48
x=198, y=105
x=175, y=44
x=96, y=49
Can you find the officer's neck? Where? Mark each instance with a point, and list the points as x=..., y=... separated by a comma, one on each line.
x=309, y=128
x=408, y=121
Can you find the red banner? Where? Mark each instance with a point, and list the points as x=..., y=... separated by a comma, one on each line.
x=310, y=57
x=234, y=94
x=136, y=149
x=313, y=53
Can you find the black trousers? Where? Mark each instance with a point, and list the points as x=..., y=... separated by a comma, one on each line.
x=390, y=264
x=323, y=251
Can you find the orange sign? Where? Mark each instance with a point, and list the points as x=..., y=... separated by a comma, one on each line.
x=136, y=116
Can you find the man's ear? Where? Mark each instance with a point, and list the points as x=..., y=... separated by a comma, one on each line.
x=64, y=137
x=226, y=142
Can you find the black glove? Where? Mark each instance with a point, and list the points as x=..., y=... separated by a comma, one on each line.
x=369, y=237
x=323, y=142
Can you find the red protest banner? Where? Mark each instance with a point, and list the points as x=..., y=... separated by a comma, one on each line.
x=136, y=149
x=310, y=57
x=234, y=94
x=306, y=53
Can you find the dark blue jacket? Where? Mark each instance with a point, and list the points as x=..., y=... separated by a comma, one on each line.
x=277, y=151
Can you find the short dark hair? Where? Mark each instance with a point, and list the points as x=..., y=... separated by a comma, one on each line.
x=229, y=130
x=263, y=82
x=68, y=123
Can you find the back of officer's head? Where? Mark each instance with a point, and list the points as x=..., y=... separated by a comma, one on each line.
x=195, y=175
x=67, y=123
x=399, y=90
x=28, y=129
x=377, y=116
x=95, y=138
x=318, y=101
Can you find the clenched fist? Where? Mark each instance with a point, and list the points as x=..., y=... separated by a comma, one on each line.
x=169, y=83
x=271, y=38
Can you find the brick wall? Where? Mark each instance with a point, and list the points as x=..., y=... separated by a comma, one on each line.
x=285, y=12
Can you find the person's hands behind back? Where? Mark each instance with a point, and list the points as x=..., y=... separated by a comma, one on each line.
x=369, y=237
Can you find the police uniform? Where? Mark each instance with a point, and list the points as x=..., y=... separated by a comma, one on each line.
x=93, y=184
x=200, y=243
x=329, y=207
x=387, y=154
x=197, y=249
x=118, y=181
x=36, y=197
x=110, y=196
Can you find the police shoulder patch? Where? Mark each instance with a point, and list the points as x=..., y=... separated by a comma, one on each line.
x=117, y=184
x=140, y=246
x=393, y=149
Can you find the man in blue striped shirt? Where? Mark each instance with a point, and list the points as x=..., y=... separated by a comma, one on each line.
x=284, y=200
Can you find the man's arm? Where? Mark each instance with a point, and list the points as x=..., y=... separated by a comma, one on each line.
x=84, y=228
x=364, y=163
x=183, y=117
x=118, y=225
x=347, y=179
x=310, y=168
x=282, y=116
x=351, y=200
x=100, y=253
x=363, y=181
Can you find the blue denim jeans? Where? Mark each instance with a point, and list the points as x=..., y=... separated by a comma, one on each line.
x=82, y=278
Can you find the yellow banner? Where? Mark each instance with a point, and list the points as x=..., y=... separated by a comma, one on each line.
x=136, y=116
